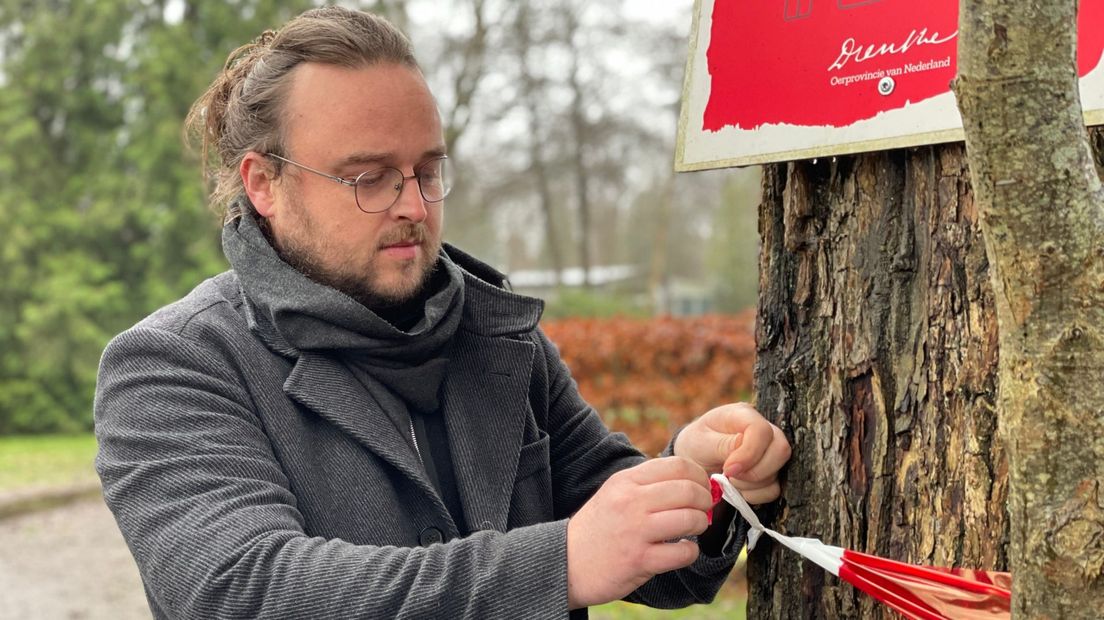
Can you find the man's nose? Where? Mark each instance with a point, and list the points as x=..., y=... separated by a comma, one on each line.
x=410, y=205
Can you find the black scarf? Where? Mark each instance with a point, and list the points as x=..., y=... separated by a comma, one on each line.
x=401, y=369
x=304, y=315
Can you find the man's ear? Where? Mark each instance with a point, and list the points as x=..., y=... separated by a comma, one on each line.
x=258, y=177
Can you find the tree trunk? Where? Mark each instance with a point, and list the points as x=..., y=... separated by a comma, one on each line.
x=531, y=94
x=661, y=239
x=877, y=344
x=1042, y=212
x=579, y=131
x=473, y=54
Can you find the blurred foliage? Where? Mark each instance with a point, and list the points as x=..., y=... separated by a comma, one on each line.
x=104, y=214
x=732, y=254
x=648, y=377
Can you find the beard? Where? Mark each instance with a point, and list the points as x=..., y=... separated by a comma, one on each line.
x=302, y=247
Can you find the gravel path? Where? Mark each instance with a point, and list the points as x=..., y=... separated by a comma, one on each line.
x=69, y=562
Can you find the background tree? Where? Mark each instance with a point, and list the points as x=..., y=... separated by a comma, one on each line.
x=733, y=244
x=577, y=123
x=1042, y=212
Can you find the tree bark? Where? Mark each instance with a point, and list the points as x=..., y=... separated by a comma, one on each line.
x=1042, y=213
x=877, y=354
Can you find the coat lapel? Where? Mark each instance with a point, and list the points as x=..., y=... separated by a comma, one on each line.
x=327, y=387
x=486, y=400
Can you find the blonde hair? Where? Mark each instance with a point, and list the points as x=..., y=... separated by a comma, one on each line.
x=242, y=110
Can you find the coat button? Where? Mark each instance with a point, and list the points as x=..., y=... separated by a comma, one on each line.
x=430, y=536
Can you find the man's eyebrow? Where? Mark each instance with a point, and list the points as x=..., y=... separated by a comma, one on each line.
x=434, y=152
x=364, y=159
x=381, y=159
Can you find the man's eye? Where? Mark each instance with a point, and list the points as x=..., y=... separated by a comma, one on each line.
x=369, y=179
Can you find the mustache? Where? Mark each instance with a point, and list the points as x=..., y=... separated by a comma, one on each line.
x=409, y=232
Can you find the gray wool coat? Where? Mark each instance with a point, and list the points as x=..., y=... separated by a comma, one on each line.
x=248, y=483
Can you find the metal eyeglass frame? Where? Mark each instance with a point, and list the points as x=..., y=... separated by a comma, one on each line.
x=353, y=183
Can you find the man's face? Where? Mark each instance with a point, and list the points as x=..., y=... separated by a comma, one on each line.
x=344, y=122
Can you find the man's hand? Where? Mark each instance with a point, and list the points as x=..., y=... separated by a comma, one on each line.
x=617, y=540
x=737, y=440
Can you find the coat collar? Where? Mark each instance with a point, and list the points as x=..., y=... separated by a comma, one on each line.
x=294, y=313
x=490, y=307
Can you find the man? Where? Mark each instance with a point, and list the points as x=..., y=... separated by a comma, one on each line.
x=357, y=421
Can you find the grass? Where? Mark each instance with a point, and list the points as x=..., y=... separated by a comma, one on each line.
x=723, y=608
x=730, y=604
x=45, y=460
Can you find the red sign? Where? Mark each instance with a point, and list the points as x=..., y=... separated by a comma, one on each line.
x=801, y=62
x=770, y=80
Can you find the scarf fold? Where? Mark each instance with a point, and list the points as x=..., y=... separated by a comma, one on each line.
x=400, y=370
x=293, y=313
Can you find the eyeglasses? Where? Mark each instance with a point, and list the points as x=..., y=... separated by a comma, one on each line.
x=377, y=190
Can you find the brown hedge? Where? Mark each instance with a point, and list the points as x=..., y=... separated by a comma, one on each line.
x=647, y=377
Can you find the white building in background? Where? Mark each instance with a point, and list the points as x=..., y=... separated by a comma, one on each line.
x=530, y=281
x=675, y=296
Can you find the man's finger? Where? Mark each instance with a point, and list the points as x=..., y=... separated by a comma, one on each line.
x=668, y=556
x=672, y=494
x=731, y=419
x=762, y=494
x=757, y=438
x=775, y=456
x=668, y=468
x=725, y=443
x=672, y=524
